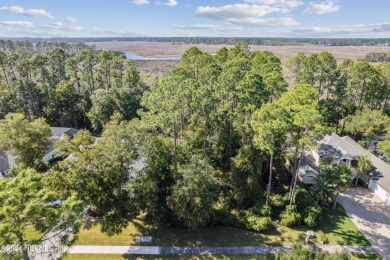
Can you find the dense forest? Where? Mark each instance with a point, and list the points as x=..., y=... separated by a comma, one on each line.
x=42, y=46
x=216, y=135
x=229, y=40
x=73, y=90
x=377, y=57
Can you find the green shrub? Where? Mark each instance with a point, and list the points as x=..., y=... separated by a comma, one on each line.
x=312, y=216
x=322, y=238
x=290, y=217
x=298, y=252
x=308, y=206
x=259, y=223
x=223, y=217
x=362, y=143
x=277, y=200
x=266, y=211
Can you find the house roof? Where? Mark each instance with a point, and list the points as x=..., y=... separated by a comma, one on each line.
x=57, y=132
x=307, y=160
x=4, y=164
x=336, y=146
x=8, y=160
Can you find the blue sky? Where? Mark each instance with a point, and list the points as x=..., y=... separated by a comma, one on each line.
x=241, y=18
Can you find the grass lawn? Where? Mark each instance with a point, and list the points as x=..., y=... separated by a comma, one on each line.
x=183, y=257
x=340, y=229
x=336, y=225
x=204, y=257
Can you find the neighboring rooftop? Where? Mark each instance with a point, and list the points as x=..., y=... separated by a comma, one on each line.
x=345, y=146
x=8, y=160
x=57, y=132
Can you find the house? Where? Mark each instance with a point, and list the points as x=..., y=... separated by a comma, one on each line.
x=343, y=151
x=8, y=160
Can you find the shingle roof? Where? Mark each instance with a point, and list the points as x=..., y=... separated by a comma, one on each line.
x=344, y=146
x=57, y=132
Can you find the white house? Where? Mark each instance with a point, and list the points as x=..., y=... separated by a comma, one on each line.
x=343, y=150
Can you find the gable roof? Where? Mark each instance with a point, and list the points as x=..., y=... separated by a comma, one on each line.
x=336, y=146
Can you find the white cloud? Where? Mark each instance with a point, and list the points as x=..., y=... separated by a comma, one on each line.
x=57, y=24
x=141, y=2
x=184, y=33
x=238, y=11
x=211, y=27
x=264, y=22
x=171, y=3
x=23, y=28
x=357, y=30
x=23, y=24
x=249, y=14
x=71, y=19
x=78, y=28
x=285, y=3
x=27, y=12
x=322, y=8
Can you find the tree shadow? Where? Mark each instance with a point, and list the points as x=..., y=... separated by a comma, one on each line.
x=89, y=223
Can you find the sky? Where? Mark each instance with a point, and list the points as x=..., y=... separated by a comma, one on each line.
x=191, y=18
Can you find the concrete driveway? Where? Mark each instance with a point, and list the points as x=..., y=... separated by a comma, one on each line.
x=370, y=215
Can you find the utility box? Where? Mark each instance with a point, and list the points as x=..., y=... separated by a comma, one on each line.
x=144, y=239
x=310, y=234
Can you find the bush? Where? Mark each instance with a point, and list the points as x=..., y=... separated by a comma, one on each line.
x=312, y=216
x=362, y=143
x=264, y=211
x=259, y=223
x=308, y=206
x=290, y=217
x=223, y=217
x=277, y=200
x=322, y=238
x=277, y=203
x=299, y=252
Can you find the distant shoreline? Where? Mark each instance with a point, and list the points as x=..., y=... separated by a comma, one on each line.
x=223, y=40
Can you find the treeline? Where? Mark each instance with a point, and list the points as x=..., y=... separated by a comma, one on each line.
x=41, y=47
x=80, y=90
x=377, y=57
x=232, y=40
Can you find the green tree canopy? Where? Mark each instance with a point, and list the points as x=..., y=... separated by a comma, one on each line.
x=194, y=194
x=25, y=139
x=25, y=203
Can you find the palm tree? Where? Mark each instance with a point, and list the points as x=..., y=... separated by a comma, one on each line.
x=323, y=188
x=342, y=180
x=363, y=164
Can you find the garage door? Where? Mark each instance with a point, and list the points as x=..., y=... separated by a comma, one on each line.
x=379, y=191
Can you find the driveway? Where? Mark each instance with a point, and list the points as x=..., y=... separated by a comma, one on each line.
x=370, y=215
